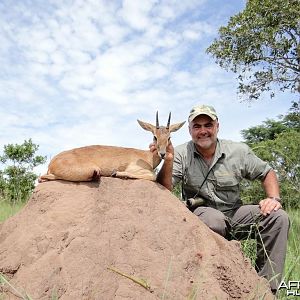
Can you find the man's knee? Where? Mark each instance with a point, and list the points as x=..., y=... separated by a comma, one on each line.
x=282, y=218
x=277, y=220
x=218, y=225
x=214, y=219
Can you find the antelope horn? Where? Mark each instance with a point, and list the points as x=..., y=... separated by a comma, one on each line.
x=157, y=123
x=168, y=124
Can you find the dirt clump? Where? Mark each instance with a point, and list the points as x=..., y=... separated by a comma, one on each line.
x=119, y=239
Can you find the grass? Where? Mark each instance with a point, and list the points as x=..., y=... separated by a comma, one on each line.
x=7, y=209
x=292, y=263
x=15, y=291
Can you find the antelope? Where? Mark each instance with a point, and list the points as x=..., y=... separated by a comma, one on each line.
x=90, y=162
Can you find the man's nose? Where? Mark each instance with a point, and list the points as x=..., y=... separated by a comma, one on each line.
x=202, y=130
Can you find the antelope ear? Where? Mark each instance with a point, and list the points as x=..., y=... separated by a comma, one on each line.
x=147, y=126
x=176, y=126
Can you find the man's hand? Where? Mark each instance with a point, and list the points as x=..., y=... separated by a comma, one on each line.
x=268, y=205
x=169, y=151
x=152, y=147
x=271, y=187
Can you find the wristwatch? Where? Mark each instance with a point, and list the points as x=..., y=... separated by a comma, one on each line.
x=275, y=198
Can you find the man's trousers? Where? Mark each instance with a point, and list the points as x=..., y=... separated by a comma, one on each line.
x=270, y=232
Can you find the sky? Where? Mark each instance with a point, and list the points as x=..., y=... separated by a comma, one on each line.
x=81, y=72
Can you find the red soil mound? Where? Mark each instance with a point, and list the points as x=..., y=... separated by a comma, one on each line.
x=71, y=240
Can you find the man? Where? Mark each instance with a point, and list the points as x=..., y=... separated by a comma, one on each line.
x=210, y=170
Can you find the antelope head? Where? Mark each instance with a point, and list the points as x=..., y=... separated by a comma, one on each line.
x=161, y=134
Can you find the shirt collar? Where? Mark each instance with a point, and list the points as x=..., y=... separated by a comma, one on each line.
x=218, y=153
x=219, y=150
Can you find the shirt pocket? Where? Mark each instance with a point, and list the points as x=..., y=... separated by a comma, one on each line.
x=192, y=185
x=227, y=184
x=227, y=190
x=194, y=180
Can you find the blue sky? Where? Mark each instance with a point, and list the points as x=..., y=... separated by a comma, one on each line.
x=80, y=72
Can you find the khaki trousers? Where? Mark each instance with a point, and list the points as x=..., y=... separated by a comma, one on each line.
x=270, y=232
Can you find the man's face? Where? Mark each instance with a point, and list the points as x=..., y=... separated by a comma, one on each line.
x=204, y=132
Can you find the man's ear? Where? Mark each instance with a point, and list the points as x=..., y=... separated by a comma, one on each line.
x=190, y=130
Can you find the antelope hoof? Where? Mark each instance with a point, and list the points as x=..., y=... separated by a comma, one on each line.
x=41, y=180
x=114, y=173
x=96, y=175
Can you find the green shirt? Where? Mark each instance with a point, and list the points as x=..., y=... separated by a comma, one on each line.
x=221, y=189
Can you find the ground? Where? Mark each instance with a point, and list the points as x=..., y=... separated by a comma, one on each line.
x=119, y=239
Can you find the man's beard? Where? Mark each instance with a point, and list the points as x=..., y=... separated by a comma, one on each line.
x=205, y=143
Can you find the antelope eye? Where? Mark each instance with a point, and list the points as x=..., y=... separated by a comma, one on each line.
x=154, y=138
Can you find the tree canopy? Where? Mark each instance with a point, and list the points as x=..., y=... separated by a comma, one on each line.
x=262, y=46
x=277, y=141
x=17, y=179
x=270, y=129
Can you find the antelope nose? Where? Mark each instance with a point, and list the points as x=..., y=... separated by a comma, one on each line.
x=162, y=155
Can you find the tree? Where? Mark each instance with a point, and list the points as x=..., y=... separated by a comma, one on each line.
x=283, y=154
x=262, y=46
x=292, y=119
x=268, y=131
x=17, y=179
x=272, y=128
x=279, y=145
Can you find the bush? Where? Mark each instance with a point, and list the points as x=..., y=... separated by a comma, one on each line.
x=17, y=179
x=283, y=154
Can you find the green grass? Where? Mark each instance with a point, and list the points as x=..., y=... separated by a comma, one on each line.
x=292, y=263
x=7, y=210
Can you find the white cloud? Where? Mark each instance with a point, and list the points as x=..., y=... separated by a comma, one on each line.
x=137, y=13
x=81, y=72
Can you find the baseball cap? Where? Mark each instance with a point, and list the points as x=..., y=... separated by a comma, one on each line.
x=202, y=110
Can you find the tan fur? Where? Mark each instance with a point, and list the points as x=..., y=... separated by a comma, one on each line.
x=90, y=162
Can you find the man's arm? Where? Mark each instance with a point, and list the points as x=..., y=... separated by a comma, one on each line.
x=164, y=176
x=271, y=187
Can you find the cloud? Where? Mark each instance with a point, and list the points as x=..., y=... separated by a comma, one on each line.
x=81, y=72
x=136, y=14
